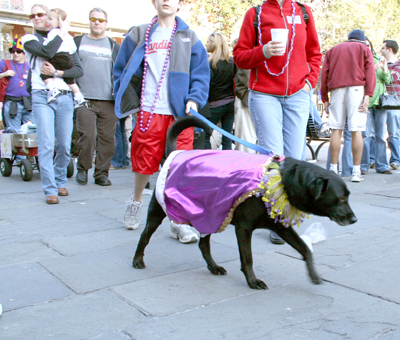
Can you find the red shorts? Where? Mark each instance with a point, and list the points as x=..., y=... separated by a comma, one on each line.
x=147, y=148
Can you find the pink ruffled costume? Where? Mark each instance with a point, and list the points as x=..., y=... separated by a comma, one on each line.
x=203, y=187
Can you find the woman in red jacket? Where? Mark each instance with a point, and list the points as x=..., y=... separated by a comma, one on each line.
x=282, y=74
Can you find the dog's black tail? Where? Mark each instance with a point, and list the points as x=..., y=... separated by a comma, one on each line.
x=179, y=126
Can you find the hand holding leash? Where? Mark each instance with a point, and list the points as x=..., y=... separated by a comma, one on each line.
x=190, y=105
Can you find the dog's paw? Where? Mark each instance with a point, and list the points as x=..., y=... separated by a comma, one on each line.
x=138, y=263
x=257, y=284
x=217, y=270
x=316, y=280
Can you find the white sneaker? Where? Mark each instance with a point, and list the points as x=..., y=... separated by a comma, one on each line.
x=394, y=166
x=79, y=100
x=132, y=214
x=335, y=171
x=183, y=233
x=357, y=177
x=52, y=95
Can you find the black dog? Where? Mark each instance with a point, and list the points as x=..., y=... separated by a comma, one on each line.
x=310, y=188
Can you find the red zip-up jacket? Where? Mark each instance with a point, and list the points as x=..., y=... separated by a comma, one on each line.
x=305, y=60
x=349, y=63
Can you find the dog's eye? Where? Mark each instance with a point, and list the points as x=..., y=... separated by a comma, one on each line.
x=342, y=199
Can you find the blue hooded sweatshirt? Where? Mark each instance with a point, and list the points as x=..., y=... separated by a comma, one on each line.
x=189, y=72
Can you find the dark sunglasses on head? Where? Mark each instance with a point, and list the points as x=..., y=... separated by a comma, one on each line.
x=93, y=19
x=39, y=15
x=15, y=51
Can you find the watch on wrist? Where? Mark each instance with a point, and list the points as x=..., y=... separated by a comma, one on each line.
x=55, y=73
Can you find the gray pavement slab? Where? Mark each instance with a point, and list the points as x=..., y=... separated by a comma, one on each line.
x=67, y=269
x=187, y=290
x=55, y=226
x=27, y=284
x=75, y=317
x=97, y=270
x=66, y=208
x=18, y=253
x=297, y=310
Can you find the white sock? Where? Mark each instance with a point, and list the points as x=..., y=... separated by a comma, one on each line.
x=356, y=168
x=135, y=202
x=334, y=167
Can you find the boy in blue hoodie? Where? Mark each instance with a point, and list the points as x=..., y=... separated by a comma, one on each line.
x=161, y=72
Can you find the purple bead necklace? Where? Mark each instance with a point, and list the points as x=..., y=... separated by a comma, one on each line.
x=142, y=127
x=291, y=42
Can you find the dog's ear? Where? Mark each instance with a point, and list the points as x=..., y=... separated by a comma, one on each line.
x=318, y=186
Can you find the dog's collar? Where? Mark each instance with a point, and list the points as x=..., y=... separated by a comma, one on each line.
x=275, y=198
x=276, y=162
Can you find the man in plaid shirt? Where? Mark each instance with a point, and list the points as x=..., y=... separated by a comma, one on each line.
x=389, y=51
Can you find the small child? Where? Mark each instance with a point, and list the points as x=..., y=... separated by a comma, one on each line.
x=62, y=59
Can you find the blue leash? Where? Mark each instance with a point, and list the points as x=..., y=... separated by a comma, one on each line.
x=230, y=136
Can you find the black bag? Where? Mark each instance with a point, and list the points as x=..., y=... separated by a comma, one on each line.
x=389, y=102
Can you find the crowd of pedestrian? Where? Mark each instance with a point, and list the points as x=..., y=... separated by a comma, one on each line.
x=262, y=91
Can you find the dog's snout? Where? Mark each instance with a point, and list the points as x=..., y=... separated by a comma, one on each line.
x=353, y=219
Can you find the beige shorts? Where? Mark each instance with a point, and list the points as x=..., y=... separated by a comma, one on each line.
x=344, y=103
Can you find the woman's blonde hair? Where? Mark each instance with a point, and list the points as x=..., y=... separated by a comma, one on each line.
x=219, y=49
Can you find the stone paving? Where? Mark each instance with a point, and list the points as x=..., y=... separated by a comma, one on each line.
x=65, y=272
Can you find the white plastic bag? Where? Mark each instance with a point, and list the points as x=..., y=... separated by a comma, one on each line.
x=316, y=232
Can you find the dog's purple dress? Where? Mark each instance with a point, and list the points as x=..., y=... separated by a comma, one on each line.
x=203, y=187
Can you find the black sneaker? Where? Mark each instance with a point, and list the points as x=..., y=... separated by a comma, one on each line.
x=275, y=238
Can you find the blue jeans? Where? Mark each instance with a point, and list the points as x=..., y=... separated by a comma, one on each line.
x=281, y=122
x=119, y=159
x=376, y=122
x=54, y=121
x=317, y=117
x=23, y=116
x=225, y=114
x=347, y=156
x=317, y=121
x=393, y=117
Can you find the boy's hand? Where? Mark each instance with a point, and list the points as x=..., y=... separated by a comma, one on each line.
x=64, y=26
x=190, y=105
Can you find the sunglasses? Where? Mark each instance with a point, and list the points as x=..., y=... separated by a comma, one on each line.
x=15, y=51
x=39, y=15
x=93, y=19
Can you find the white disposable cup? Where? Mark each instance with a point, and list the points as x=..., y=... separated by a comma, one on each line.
x=280, y=35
